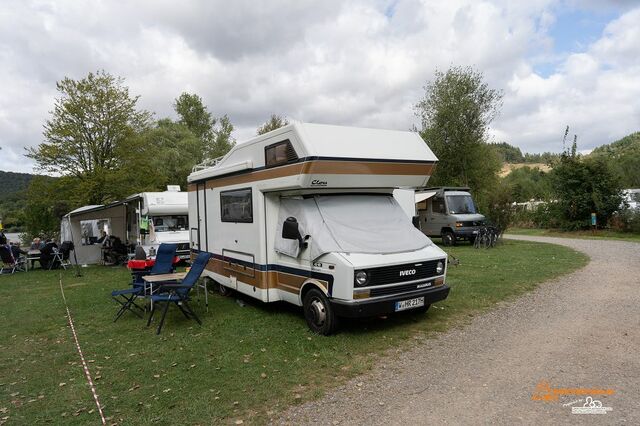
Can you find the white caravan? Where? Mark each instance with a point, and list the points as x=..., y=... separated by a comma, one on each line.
x=160, y=217
x=306, y=214
x=147, y=219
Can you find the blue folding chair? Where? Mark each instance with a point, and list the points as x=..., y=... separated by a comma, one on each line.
x=126, y=298
x=178, y=293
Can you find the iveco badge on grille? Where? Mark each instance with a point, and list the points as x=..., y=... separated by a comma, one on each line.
x=407, y=272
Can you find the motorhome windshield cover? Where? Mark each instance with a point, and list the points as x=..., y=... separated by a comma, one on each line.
x=349, y=224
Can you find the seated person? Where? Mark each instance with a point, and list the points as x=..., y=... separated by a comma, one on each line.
x=36, y=244
x=103, y=238
x=47, y=255
x=115, y=250
x=17, y=251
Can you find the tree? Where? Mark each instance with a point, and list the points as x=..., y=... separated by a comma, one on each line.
x=194, y=115
x=274, y=122
x=222, y=140
x=508, y=153
x=583, y=186
x=177, y=150
x=214, y=133
x=91, y=122
x=455, y=115
x=528, y=183
x=48, y=199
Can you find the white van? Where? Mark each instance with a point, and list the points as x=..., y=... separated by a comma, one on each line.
x=306, y=214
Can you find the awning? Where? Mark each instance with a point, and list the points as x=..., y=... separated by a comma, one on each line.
x=421, y=196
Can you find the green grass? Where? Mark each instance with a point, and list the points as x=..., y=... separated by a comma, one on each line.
x=600, y=234
x=244, y=363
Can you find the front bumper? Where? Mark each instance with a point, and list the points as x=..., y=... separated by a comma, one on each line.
x=387, y=304
x=466, y=232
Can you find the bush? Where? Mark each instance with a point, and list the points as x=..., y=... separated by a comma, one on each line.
x=496, y=205
x=581, y=187
x=627, y=220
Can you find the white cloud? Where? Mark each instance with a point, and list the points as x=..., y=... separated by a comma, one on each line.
x=596, y=93
x=355, y=63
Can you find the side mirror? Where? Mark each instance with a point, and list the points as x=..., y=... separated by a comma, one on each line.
x=290, y=230
x=416, y=221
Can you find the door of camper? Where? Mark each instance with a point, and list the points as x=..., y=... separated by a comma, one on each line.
x=199, y=228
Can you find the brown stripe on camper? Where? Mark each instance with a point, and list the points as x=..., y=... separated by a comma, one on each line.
x=323, y=167
x=261, y=279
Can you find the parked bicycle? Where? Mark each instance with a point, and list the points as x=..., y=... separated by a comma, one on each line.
x=487, y=237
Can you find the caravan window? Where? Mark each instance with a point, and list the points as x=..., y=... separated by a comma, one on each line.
x=279, y=153
x=236, y=206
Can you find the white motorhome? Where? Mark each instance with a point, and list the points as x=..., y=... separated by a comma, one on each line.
x=160, y=217
x=306, y=214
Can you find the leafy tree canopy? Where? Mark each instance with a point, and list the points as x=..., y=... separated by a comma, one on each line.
x=90, y=126
x=274, y=122
x=213, y=133
x=455, y=114
x=582, y=186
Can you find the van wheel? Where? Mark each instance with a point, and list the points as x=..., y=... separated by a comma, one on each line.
x=224, y=290
x=319, y=313
x=448, y=239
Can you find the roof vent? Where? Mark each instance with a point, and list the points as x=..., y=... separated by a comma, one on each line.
x=173, y=188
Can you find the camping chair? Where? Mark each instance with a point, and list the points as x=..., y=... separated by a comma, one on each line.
x=65, y=252
x=126, y=298
x=9, y=263
x=178, y=293
x=163, y=264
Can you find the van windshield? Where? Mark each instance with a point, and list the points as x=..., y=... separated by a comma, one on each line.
x=169, y=223
x=349, y=224
x=461, y=204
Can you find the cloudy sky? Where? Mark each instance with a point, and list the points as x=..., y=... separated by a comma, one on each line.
x=360, y=63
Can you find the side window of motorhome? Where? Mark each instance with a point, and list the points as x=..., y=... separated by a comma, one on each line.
x=236, y=206
x=279, y=153
x=438, y=205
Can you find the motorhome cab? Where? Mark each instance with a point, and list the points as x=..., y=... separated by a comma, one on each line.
x=306, y=214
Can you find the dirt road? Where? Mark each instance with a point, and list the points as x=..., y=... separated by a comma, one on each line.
x=579, y=331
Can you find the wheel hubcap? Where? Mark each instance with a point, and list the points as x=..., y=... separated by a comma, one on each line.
x=318, y=312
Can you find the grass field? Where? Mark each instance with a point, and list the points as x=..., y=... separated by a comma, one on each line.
x=244, y=362
x=601, y=234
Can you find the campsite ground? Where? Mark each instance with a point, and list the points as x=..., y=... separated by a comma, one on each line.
x=245, y=363
x=600, y=234
x=536, y=360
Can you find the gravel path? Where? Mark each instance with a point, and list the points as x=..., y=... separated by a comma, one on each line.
x=579, y=331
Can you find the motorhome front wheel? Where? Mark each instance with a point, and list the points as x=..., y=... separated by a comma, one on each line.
x=318, y=312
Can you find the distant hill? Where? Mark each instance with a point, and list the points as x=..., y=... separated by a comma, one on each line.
x=513, y=155
x=624, y=157
x=509, y=167
x=12, y=183
x=628, y=144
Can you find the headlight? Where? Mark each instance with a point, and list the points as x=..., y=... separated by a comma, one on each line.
x=361, y=278
x=440, y=268
x=459, y=224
